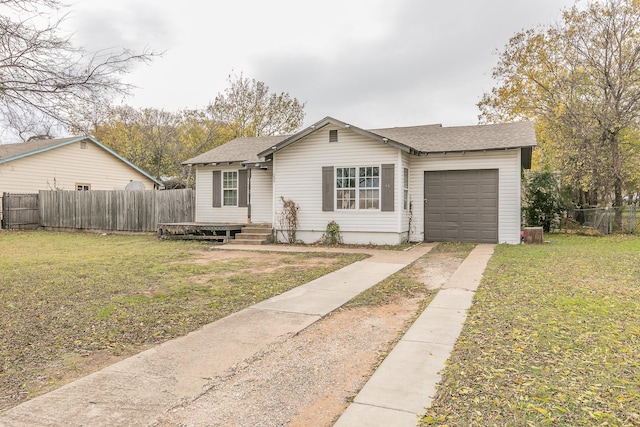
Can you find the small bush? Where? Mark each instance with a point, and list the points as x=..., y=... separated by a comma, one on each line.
x=332, y=235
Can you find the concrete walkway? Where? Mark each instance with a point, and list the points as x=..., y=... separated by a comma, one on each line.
x=138, y=390
x=405, y=383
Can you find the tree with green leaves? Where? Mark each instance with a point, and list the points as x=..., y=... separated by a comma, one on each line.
x=44, y=78
x=580, y=81
x=248, y=108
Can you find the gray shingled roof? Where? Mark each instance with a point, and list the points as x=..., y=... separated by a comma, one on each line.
x=243, y=150
x=8, y=151
x=438, y=139
x=416, y=139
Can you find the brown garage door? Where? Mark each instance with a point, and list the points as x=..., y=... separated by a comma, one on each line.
x=461, y=206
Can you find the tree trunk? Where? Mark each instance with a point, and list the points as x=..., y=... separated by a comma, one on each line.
x=617, y=179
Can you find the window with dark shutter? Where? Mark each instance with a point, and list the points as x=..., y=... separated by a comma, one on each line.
x=333, y=135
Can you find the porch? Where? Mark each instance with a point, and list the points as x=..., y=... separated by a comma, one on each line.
x=220, y=232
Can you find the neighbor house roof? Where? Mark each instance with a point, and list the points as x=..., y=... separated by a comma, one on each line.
x=10, y=152
x=413, y=139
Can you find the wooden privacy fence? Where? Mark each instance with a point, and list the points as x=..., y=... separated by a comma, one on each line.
x=19, y=211
x=115, y=210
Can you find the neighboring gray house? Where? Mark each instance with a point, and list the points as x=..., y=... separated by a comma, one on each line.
x=382, y=186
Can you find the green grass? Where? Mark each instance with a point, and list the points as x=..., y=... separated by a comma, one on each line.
x=78, y=294
x=553, y=338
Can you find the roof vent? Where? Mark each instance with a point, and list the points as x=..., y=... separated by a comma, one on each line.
x=333, y=135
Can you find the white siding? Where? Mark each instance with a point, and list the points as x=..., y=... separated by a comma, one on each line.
x=508, y=164
x=64, y=167
x=261, y=196
x=298, y=177
x=205, y=212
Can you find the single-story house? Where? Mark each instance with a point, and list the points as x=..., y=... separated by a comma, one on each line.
x=381, y=186
x=75, y=163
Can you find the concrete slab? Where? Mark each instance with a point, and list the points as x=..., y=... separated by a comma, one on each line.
x=453, y=298
x=358, y=415
x=318, y=302
x=323, y=295
x=437, y=325
x=366, y=274
x=469, y=274
x=406, y=380
x=137, y=390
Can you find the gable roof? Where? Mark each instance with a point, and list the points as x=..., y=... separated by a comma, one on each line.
x=10, y=152
x=418, y=140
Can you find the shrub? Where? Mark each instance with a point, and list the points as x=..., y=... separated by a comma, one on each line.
x=545, y=201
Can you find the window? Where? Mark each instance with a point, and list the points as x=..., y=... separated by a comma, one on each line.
x=346, y=188
x=83, y=187
x=369, y=185
x=333, y=135
x=230, y=188
x=405, y=189
x=362, y=192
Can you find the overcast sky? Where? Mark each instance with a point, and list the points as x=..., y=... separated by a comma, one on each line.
x=372, y=63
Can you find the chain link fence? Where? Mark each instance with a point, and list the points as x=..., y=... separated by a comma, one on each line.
x=602, y=220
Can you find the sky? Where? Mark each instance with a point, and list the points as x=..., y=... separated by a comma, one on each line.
x=371, y=63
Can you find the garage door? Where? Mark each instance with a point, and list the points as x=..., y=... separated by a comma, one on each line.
x=461, y=206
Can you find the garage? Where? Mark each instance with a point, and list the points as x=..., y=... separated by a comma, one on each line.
x=461, y=206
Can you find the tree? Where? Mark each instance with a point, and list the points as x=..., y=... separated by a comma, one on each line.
x=157, y=140
x=544, y=201
x=580, y=80
x=249, y=109
x=43, y=76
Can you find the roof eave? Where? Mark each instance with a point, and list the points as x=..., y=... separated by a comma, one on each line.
x=472, y=150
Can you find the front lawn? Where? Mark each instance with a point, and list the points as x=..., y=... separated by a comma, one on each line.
x=553, y=338
x=71, y=302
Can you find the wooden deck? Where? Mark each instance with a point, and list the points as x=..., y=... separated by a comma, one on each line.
x=220, y=232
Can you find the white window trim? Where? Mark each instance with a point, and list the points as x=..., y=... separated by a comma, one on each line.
x=357, y=189
x=222, y=179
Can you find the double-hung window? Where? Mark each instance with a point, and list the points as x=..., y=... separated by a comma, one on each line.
x=358, y=187
x=230, y=188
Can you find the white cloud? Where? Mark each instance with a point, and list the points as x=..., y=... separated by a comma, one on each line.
x=373, y=62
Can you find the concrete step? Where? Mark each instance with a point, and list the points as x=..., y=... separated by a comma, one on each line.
x=252, y=229
x=254, y=234
x=237, y=241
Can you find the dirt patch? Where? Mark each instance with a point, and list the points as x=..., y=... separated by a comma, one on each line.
x=435, y=269
x=256, y=262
